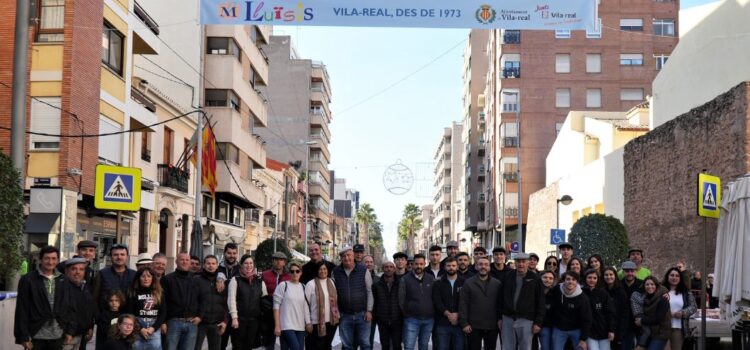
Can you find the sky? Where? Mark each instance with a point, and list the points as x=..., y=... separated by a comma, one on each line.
x=393, y=92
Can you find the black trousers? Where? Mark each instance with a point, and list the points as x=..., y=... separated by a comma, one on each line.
x=245, y=335
x=225, y=336
x=313, y=341
x=478, y=336
x=210, y=331
x=391, y=335
x=44, y=344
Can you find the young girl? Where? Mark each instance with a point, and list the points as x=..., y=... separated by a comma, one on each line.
x=145, y=302
x=115, y=302
x=122, y=336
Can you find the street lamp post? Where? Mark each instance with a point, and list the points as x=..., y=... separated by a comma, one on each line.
x=565, y=200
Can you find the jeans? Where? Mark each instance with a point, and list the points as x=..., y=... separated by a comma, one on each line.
x=545, y=338
x=559, y=338
x=657, y=344
x=210, y=332
x=450, y=337
x=517, y=333
x=153, y=342
x=354, y=331
x=292, y=340
x=390, y=335
x=597, y=344
x=486, y=336
x=416, y=330
x=181, y=334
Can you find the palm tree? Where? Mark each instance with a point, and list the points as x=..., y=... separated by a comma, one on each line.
x=411, y=222
x=366, y=216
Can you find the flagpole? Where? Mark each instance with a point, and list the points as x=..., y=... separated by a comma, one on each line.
x=198, y=190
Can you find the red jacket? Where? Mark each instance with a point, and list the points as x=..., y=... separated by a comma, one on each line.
x=272, y=279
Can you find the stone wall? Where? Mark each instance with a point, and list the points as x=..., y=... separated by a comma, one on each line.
x=661, y=170
x=541, y=218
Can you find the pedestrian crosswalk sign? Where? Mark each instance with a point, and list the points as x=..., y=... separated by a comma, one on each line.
x=117, y=188
x=709, y=195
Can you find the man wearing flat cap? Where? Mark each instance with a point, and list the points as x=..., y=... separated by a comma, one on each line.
x=79, y=322
x=636, y=256
x=451, y=250
x=359, y=253
x=86, y=250
x=566, y=253
x=355, y=301
x=521, y=303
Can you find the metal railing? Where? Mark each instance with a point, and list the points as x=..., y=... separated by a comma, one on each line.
x=512, y=72
x=512, y=37
x=139, y=97
x=510, y=141
x=172, y=177
x=510, y=176
x=146, y=18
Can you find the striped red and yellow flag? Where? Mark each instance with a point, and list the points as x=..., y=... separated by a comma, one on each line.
x=208, y=164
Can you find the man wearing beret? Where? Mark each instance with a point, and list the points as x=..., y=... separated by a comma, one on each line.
x=521, y=303
x=78, y=322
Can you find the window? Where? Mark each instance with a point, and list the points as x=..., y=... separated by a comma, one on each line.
x=660, y=61
x=593, y=63
x=593, y=98
x=509, y=100
x=597, y=32
x=222, y=98
x=237, y=215
x=558, y=127
x=562, y=63
x=631, y=94
x=562, y=98
x=112, y=45
x=664, y=27
x=253, y=77
x=168, y=145
x=45, y=119
x=223, y=46
x=208, y=207
x=51, y=21
x=631, y=24
x=562, y=33
x=631, y=59
x=512, y=66
x=146, y=146
x=223, y=211
x=227, y=151
x=110, y=147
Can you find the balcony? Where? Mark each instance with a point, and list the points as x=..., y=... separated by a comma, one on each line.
x=174, y=178
x=510, y=141
x=145, y=40
x=512, y=37
x=512, y=72
x=319, y=118
x=482, y=121
x=447, y=164
x=227, y=73
x=510, y=107
x=510, y=176
x=231, y=130
x=482, y=148
x=254, y=215
x=141, y=109
x=250, y=49
x=482, y=197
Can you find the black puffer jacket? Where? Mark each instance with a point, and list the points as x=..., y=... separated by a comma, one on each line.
x=213, y=305
x=602, y=313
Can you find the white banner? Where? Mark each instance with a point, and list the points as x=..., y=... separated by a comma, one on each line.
x=480, y=14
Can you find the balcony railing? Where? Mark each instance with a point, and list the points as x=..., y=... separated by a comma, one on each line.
x=139, y=97
x=512, y=72
x=512, y=37
x=146, y=18
x=511, y=212
x=146, y=155
x=510, y=176
x=510, y=107
x=172, y=177
x=510, y=141
x=270, y=222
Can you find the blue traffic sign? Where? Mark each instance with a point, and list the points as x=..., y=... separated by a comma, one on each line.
x=515, y=247
x=556, y=236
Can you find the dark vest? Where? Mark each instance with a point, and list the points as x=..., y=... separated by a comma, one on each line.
x=110, y=280
x=248, y=298
x=418, y=302
x=351, y=290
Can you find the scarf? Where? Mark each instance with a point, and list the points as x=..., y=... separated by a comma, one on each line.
x=250, y=276
x=576, y=292
x=321, y=304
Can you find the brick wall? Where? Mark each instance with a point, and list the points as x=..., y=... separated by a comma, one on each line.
x=80, y=90
x=661, y=170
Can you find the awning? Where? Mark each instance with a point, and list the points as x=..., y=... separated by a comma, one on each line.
x=40, y=222
x=299, y=256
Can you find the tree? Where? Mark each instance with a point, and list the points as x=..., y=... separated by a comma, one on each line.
x=376, y=243
x=411, y=222
x=263, y=255
x=600, y=234
x=11, y=217
x=365, y=217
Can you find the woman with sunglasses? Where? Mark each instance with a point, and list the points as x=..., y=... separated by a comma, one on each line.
x=291, y=310
x=551, y=264
x=621, y=304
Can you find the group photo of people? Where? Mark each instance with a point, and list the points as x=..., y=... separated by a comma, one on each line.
x=444, y=299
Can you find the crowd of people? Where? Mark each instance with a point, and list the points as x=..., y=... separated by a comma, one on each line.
x=454, y=301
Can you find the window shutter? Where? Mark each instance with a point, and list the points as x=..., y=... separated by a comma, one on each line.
x=45, y=119
x=594, y=98
x=631, y=22
x=110, y=147
x=631, y=56
x=593, y=63
x=562, y=98
x=562, y=63
x=631, y=94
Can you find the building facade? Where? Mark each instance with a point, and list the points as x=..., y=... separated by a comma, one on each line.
x=298, y=121
x=538, y=76
x=448, y=173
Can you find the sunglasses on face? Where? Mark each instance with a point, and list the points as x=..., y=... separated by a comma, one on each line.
x=551, y=263
x=295, y=271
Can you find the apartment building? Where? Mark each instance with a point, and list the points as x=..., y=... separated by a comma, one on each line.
x=474, y=123
x=537, y=77
x=81, y=82
x=343, y=213
x=297, y=131
x=448, y=172
x=423, y=237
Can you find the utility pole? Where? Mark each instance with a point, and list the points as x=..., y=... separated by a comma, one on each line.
x=20, y=85
x=197, y=236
